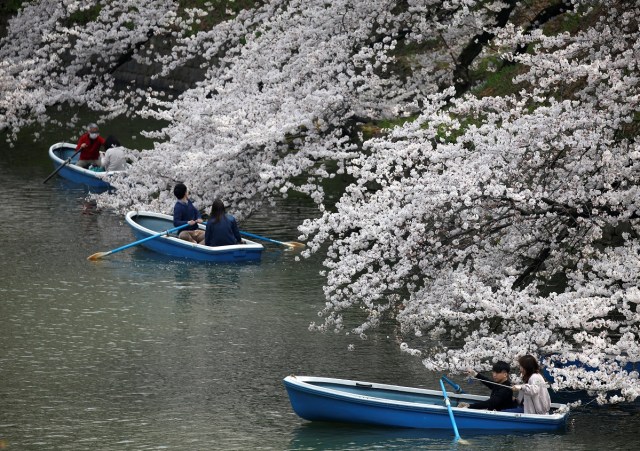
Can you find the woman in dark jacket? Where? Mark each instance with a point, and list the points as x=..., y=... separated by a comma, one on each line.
x=222, y=229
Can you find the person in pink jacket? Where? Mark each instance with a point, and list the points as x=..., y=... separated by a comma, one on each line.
x=532, y=395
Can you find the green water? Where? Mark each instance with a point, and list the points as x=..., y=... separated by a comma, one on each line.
x=140, y=351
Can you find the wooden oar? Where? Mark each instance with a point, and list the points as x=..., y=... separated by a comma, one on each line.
x=283, y=243
x=451, y=417
x=99, y=255
x=66, y=162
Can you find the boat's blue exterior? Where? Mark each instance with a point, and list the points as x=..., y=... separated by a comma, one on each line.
x=341, y=400
x=145, y=224
x=60, y=152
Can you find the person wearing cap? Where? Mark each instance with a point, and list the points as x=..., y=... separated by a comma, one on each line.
x=184, y=212
x=89, y=145
x=501, y=397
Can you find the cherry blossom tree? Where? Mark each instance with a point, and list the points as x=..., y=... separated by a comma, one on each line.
x=492, y=227
x=494, y=220
x=58, y=52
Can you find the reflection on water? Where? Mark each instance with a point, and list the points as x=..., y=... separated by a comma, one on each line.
x=142, y=351
x=327, y=436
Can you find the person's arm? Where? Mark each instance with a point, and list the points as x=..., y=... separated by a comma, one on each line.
x=208, y=234
x=105, y=161
x=485, y=380
x=178, y=215
x=81, y=143
x=193, y=211
x=534, y=387
x=235, y=230
x=532, y=390
x=501, y=398
x=480, y=405
x=100, y=140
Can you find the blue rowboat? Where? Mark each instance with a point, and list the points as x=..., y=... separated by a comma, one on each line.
x=341, y=400
x=146, y=223
x=60, y=152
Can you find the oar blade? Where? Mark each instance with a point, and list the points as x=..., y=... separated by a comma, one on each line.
x=289, y=244
x=293, y=244
x=97, y=256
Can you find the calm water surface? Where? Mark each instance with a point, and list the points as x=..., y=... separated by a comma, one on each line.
x=140, y=351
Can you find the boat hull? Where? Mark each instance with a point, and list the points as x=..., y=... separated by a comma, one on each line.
x=145, y=224
x=60, y=152
x=340, y=400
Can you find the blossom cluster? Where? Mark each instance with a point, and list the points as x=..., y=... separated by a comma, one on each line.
x=492, y=227
x=486, y=227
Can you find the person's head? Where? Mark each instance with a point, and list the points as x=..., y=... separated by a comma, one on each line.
x=500, y=371
x=93, y=130
x=217, y=210
x=528, y=366
x=111, y=141
x=180, y=190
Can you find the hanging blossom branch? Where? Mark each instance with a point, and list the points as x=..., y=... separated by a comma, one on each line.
x=299, y=70
x=514, y=231
x=54, y=54
x=275, y=110
x=487, y=227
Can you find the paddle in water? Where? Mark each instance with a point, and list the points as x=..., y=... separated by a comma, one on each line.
x=451, y=417
x=99, y=255
x=66, y=162
x=291, y=244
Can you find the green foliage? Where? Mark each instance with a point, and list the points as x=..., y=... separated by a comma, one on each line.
x=573, y=22
x=405, y=54
x=500, y=82
x=630, y=130
x=448, y=134
x=10, y=7
x=377, y=128
x=83, y=17
x=218, y=10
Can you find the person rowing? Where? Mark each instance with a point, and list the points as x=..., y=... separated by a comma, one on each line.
x=89, y=145
x=184, y=212
x=501, y=397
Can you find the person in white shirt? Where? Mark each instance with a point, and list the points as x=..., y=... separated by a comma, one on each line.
x=114, y=158
x=533, y=395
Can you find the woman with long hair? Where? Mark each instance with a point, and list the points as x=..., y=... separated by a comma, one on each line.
x=222, y=228
x=532, y=394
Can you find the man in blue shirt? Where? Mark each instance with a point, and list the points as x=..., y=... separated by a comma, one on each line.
x=185, y=213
